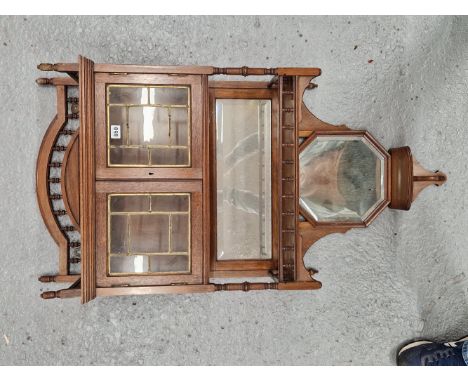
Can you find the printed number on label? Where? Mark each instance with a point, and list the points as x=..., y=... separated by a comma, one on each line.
x=115, y=131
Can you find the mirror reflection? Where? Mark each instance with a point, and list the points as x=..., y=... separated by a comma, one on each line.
x=243, y=160
x=340, y=178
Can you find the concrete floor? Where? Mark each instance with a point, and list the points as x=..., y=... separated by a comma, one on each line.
x=404, y=277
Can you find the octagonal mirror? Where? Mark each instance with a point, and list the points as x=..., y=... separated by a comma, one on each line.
x=342, y=178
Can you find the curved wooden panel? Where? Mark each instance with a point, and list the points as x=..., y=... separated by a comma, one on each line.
x=42, y=180
x=70, y=181
x=308, y=236
x=308, y=122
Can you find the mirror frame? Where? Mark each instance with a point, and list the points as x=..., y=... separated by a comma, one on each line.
x=378, y=208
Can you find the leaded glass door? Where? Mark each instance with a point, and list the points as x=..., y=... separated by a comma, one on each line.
x=149, y=179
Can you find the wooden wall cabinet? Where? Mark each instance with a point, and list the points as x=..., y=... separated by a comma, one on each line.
x=165, y=179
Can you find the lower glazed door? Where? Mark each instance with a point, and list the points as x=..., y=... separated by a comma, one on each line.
x=149, y=233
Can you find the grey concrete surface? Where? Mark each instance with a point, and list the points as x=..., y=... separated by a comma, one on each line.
x=405, y=277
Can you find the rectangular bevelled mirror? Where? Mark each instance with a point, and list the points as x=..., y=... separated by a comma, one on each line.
x=149, y=233
x=243, y=177
x=148, y=126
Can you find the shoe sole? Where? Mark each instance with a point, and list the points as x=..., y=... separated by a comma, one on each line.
x=413, y=344
x=423, y=342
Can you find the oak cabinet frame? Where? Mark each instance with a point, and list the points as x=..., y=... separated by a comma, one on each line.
x=86, y=182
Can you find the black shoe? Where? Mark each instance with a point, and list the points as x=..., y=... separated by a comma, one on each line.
x=427, y=353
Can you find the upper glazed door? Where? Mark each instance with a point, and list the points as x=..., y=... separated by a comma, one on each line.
x=148, y=126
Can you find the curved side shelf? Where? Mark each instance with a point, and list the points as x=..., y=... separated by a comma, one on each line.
x=56, y=181
x=42, y=180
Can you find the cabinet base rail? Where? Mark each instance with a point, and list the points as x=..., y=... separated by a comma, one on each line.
x=176, y=289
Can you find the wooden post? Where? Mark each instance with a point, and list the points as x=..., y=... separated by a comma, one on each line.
x=87, y=179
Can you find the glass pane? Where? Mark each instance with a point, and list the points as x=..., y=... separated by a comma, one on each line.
x=243, y=156
x=171, y=263
x=179, y=126
x=179, y=233
x=130, y=203
x=129, y=264
x=125, y=156
x=168, y=156
x=149, y=233
x=146, y=227
x=149, y=126
x=145, y=123
x=133, y=95
x=119, y=238
x=162, y=127
x=176, y=203
x=169, y=96
x=341, y=178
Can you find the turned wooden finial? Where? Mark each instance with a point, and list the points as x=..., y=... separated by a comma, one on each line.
x=44, y=81
x=423, y=178
x=49, y=295
x=46, y=67
x=47, y=279
x=409, y=178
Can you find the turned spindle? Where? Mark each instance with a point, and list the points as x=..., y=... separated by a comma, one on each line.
x=67, y=132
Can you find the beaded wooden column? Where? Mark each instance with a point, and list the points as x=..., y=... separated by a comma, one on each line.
x=288, y=188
